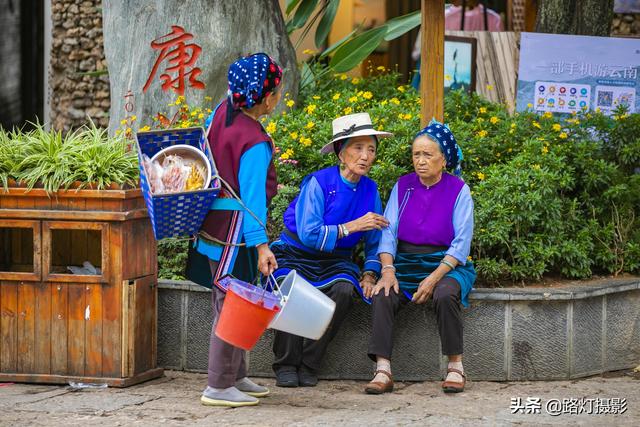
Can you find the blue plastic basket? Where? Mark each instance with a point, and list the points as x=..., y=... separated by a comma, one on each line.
x=176, y=214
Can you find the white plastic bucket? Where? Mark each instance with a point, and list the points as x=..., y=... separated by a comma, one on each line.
x=305, y=311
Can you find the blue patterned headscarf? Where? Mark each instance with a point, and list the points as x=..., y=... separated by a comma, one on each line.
x=441, y=134
x=251, y=79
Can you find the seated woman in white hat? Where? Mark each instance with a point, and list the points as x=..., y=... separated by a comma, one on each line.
x=337, y=208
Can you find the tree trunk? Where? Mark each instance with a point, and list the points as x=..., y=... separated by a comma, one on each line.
x=583, y=17
x=224, y=30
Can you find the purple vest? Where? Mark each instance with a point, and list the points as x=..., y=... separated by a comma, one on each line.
x=425, y=215
x=228, y=144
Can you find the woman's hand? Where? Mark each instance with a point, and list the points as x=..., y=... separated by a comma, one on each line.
x=387, y=282
x=428, y=284
x=425, y=290
x=367, y=222
x=367, y=283
x=267, y=263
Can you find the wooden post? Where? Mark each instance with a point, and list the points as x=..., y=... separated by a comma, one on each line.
x=530, y=15
x=432, y=61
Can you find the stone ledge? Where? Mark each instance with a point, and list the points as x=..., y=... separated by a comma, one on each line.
x=182, y=285
x=569, y=291
x=565, y=332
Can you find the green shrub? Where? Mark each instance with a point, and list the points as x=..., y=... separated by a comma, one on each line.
x=172, y=258
x=552, y=195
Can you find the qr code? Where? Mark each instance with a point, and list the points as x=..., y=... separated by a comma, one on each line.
x=625, y=99
x=605, y=98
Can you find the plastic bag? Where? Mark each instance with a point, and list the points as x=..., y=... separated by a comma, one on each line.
x=154, y=174
x=79, y=386
x=176, y=173
x=87, y=269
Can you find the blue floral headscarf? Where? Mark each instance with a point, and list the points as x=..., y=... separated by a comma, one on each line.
x=441, y=134
x=251, y=79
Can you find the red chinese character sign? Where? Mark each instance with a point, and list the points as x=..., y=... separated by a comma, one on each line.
x=180, y=58
x=166, y=58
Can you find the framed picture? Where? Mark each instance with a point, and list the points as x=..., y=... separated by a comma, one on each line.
x=626, y=6
x=459, y=63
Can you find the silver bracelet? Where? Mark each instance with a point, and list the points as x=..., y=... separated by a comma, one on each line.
x=388, y=266
x=448, y=264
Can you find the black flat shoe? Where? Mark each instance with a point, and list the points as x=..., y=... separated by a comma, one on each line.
x=287, y=379
x=307, y=378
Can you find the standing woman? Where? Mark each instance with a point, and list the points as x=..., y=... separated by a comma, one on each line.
x=233, y=240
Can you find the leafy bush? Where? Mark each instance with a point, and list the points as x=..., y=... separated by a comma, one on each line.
x=172, y=258
x=552, y=195
x=300, y=132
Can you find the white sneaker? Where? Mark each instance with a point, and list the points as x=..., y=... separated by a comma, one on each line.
x=231, y=397
x=247, y=386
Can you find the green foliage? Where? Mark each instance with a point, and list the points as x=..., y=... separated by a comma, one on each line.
x=172, y=258
x=101, y=160
x=400, y=25
x=300, y=132
x=303, y=12
x=355, y=51
x=291, y=4
x=53, y=161
x=356, y=46
x=10, y=156
x=553, y=196
x=324, y=27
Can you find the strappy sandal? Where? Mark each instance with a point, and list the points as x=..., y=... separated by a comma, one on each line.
x=453, y=386
x=377, y=387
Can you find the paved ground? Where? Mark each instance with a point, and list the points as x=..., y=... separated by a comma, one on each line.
x=173, y=400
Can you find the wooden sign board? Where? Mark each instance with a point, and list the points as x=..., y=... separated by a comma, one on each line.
x=496, y=64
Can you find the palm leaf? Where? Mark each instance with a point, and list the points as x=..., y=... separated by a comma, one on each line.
x=324, y=27
x=402, y=24
x=354, y=51
x=303, y=12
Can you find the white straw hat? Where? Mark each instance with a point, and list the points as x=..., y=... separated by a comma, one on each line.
x=350, y=126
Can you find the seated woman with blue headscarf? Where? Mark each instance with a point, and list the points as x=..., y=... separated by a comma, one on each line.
x=337, y=208
x=424, y=254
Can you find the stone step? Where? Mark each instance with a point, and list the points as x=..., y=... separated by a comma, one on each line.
x=509, y=334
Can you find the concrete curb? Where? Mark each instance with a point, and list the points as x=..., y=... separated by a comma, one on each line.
x=510, y=334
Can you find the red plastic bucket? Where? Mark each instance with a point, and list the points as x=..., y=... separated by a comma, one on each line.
x=246, y=313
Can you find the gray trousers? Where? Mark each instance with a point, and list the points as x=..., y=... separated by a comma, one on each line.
x=227, y=363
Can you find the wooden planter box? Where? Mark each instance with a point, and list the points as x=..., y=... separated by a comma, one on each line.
x=57, y=326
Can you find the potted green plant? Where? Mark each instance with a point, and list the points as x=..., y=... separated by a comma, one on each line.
x=77, y=260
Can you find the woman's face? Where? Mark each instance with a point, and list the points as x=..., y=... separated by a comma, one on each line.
x=272, y=100
x=428, y=160
x=359, y=154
